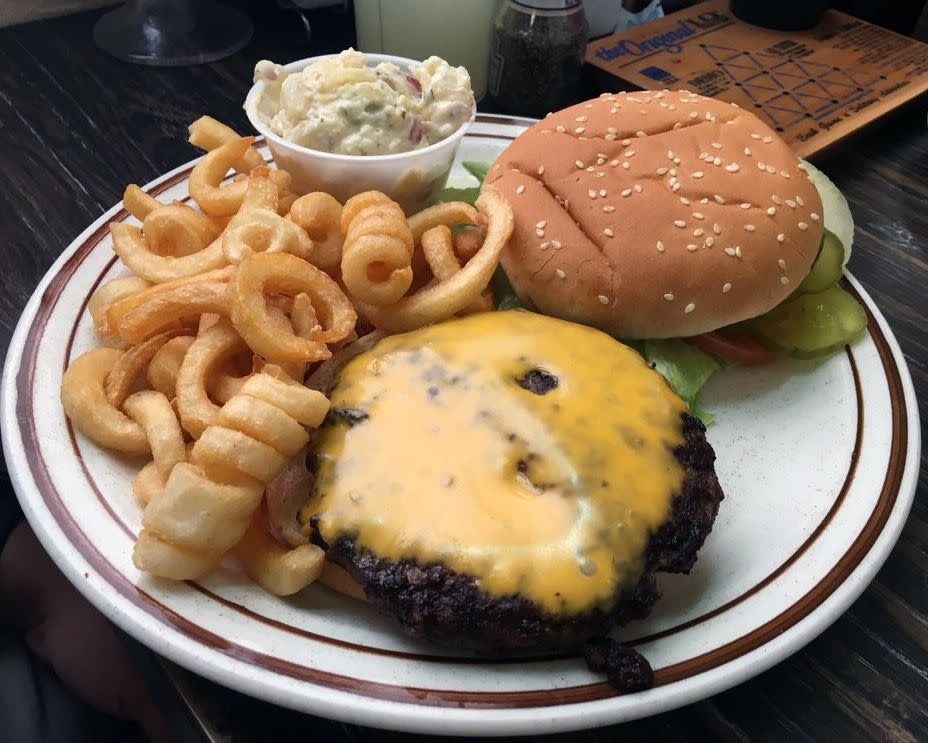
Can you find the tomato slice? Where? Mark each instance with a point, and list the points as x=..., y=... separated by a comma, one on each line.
x=737, y=349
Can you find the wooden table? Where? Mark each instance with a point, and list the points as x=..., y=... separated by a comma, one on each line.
x=76, y=126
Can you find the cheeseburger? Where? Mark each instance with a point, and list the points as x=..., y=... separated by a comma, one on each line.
x=489, y=492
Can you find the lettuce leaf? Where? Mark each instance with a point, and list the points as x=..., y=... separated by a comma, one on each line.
x=685, y=368
x=506, y=298
x=468, y=193
x=478, y=170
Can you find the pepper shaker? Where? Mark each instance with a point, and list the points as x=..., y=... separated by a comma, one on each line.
x=536, y=57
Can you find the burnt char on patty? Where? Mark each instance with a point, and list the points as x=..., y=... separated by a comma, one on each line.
x=434, y=602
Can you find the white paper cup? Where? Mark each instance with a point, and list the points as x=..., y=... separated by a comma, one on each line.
x=409, y=178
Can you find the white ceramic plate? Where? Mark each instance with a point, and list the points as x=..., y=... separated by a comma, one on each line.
x=818, y=463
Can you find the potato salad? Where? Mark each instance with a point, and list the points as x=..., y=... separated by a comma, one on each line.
x=342, y=105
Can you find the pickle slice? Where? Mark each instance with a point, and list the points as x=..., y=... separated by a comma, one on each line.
x=826, y=270
x=813, y=325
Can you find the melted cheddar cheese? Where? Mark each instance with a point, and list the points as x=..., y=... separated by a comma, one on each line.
x=438, y=450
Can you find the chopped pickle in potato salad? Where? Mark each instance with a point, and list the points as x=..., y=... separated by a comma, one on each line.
x=342, y=105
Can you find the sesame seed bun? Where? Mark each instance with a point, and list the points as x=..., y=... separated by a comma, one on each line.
x=655, y=215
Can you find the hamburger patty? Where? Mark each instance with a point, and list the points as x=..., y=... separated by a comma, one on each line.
x=436, y=603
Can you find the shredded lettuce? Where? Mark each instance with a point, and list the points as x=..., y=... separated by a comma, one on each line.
x=686, y=369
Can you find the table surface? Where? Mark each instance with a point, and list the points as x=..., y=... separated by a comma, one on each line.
x=76, y=126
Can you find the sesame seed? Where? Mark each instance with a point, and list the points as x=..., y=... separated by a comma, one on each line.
x=710, y=241
x=767, y=140
x=626, y=192
x=771, y=210
x=600, y=160
x=560, y=274
x=697, y=174
x=716, y=160
x=685, y=201
x=672, y=181
x=628, y=153
x=640, y=133
x=669, y=297
x=693, y=114
x=556, y=244
x=610, y=137
x=541, y=224
x=608, y=208
x=738, y=250
x=588, y=105
x=676, y=161
x=581, y=119
x=611, y=129
x=718, y=199
x=579, y=164
x=782, y=264
x=760, y=165
x=613, y=163
x=608, y=232
x=733, y=167
x=673, y=172
x=802, y=226
x=771, y=169
x=704, y=155
x=614, y=109
x=717, y=145
x=540, y=233
x=750, y=227
x=755, y=136
x=784, y=280
x=602, y=192
x=626, y=142
x=541, y=169
x=698, y=232
x=591, y=193
x=543, y=246
x=579, y=130
x=677, y=125
x=791, y=204
x=699, y=215
x=637, y=188
x=709, y=117
x=747, y=151
x=675, y=187
x=679, y=223
x=781, y=237
x=520, y=189
x=784, y=174
x=662, y=171
x=603, y=299
x=626, y=165
x=689, y=308
x=726, y=287
x=589, y=168
x=660, y=246
x=776, y=200
x=600, y=174
x=800, y=201
x=704, y=201
x=814, y=217
x=692, y=248
x=560, y=128
x=729, y=251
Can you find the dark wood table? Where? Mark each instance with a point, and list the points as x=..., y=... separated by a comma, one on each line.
x=76, y=126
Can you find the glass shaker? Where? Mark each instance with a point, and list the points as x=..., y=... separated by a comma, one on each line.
x=536, y=56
